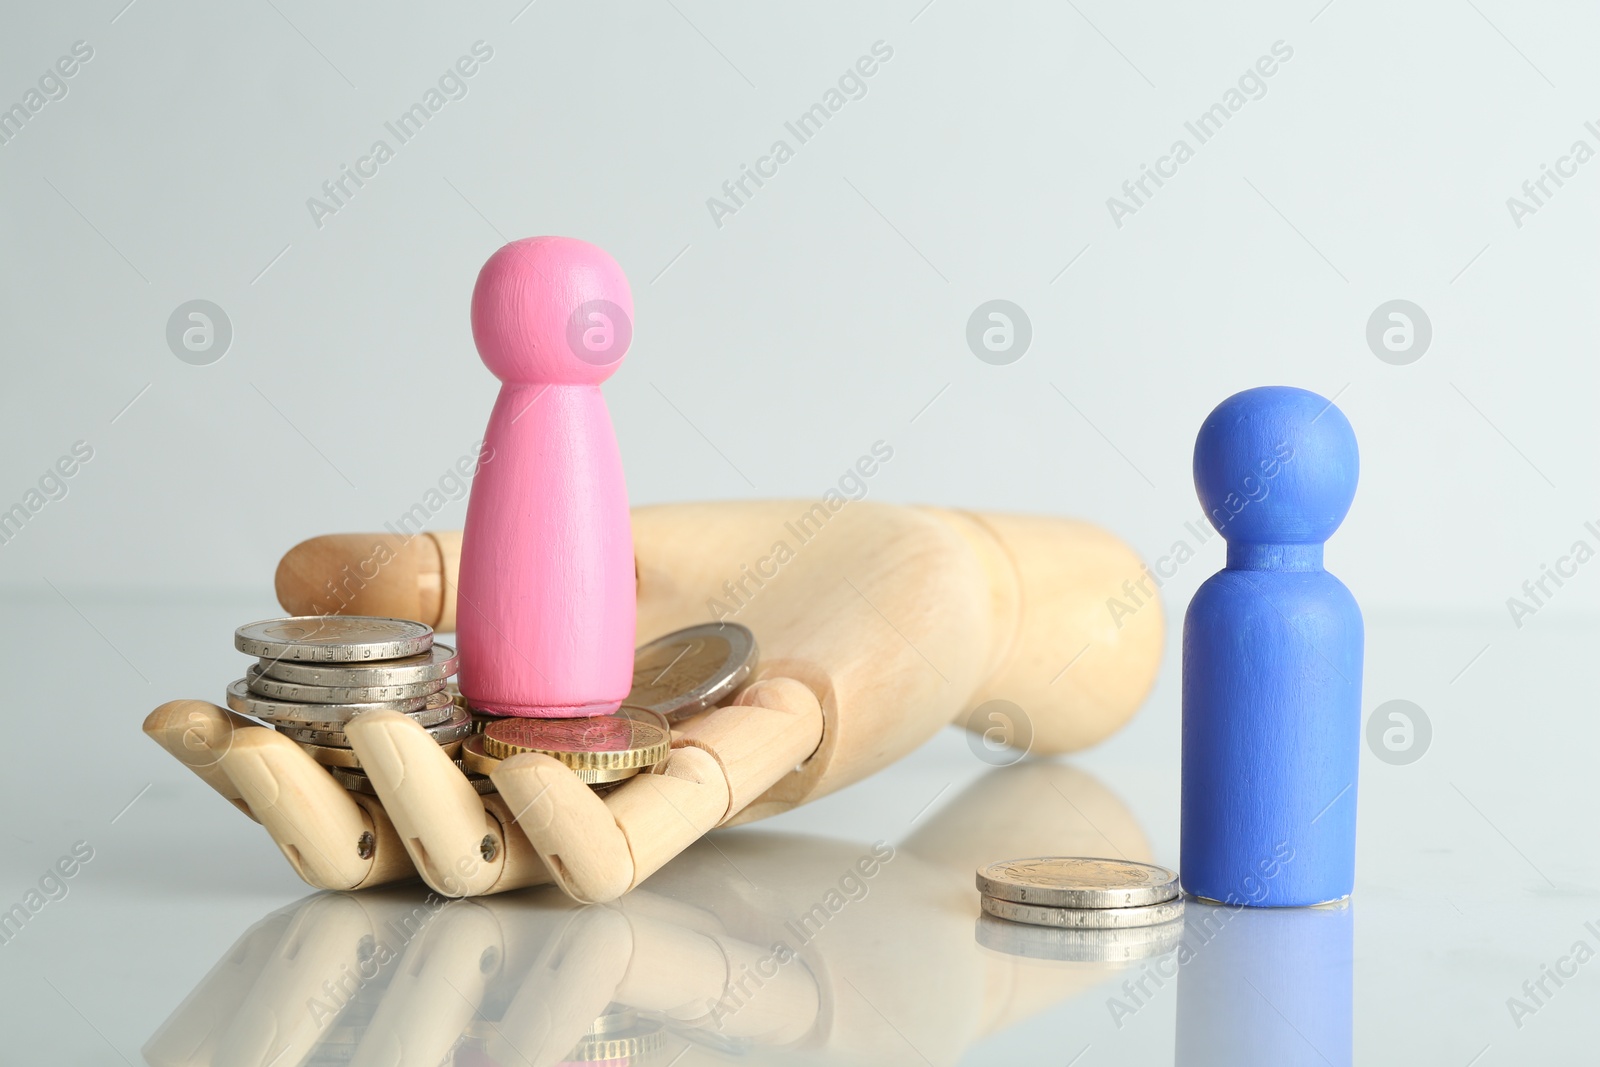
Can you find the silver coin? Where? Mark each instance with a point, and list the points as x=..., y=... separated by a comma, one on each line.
x=692, y=669
x=1083, y=918
x=333, y=638
x=434, y=665
x=358, y=782
x=446, y=723
x=428, y=715
x=240, y=699
x=273, y=689
x=1077, y=946
x=1077, y=882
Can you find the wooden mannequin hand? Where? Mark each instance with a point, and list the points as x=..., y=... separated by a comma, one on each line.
x=878, y=626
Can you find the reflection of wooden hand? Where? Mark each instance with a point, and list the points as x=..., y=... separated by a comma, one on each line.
x=389, y=978
x=878, y=625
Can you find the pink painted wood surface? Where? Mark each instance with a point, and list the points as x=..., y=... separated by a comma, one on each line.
x=546, y=606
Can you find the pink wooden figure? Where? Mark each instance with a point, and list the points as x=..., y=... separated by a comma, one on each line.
x=545, y=607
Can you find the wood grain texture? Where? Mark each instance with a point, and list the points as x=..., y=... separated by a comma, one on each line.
x=905, y=618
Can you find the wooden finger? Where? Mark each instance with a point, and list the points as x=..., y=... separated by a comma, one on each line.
x=435, y=990
x=289, y=1007
x=198, y=733
x=771, y=728
x=330, y=837
x=569, y=825
x=597, y=849
x=190, y=1036
x=569, y=985
x=458, y=845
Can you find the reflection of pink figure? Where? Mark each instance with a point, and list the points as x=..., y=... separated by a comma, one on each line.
x=545, y=608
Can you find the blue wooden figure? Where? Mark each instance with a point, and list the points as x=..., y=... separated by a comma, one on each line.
x=1272, y=660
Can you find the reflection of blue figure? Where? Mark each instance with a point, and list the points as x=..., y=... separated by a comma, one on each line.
x=1272, y=660
x=1265, y=987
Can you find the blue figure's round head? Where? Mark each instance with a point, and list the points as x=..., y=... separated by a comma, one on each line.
x=1276, y=465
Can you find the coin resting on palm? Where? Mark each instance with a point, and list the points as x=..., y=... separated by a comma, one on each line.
x=475, y=760
x=624, y=741
x=455, y=725
x=692, y=669
x=447, y=734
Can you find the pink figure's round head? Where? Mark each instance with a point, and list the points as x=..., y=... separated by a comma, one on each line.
x=552, y=310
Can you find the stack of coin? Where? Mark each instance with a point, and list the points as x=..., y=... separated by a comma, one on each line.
x=315, y=673
x=1080, y=893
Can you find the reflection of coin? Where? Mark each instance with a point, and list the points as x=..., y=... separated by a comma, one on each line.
x=475, y=759
x=1080, y=946
x=240, y=699
x=623, y=1046
x=693, y=669
x=333, y=638
x=274, y=689
x=1078, y=882
x=358, y=782
x=332, y=733
x=439, y=662
x=1083, y=918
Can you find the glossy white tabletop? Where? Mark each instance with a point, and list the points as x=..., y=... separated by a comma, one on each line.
x=185, y=938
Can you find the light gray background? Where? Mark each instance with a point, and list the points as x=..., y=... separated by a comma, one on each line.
x=769, y=353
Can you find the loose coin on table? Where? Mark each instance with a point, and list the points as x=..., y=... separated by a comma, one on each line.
x=333, y=638
x=1078, y=882
x=276, y=689
x=436, y=664
x=1084, y=918
x=240, y=699
x=598, y=749
x=692, y=669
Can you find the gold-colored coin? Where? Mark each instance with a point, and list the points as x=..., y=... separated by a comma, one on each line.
x=623, y=1047
x=474, y=758
x=478, y=761
x=627, y=740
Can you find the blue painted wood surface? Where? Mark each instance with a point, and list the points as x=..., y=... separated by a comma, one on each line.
x=1272, y=649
